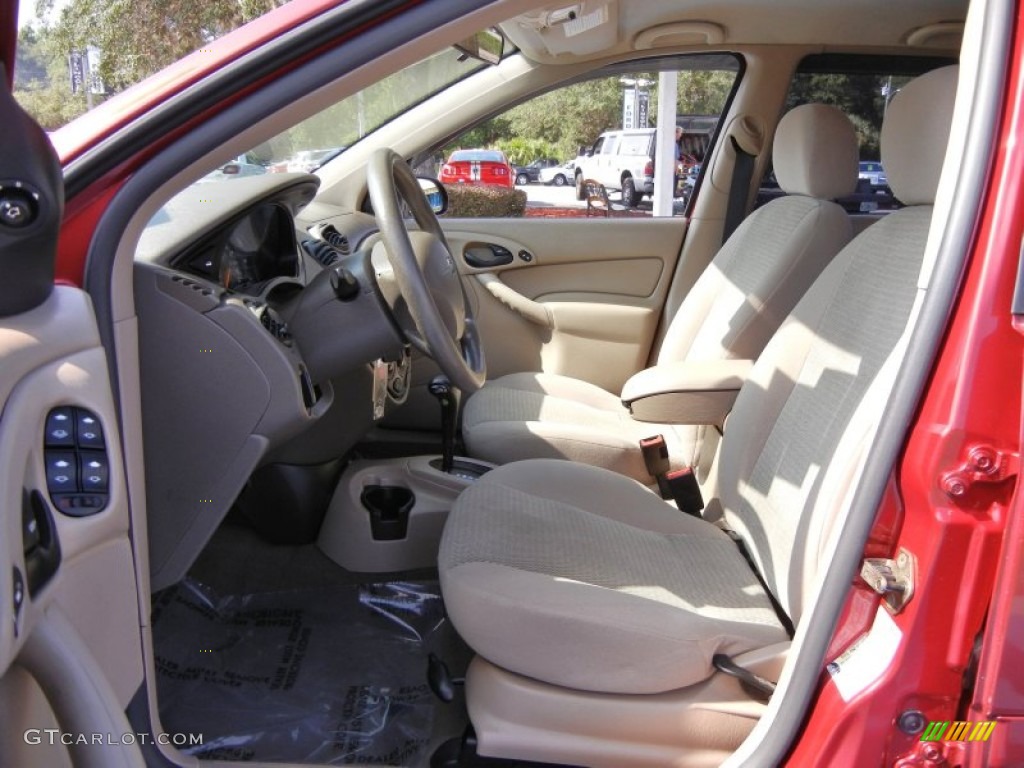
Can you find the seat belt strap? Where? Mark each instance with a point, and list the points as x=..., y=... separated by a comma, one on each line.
x=678, y=485
x=784, y=620
x=757, y=686
x=739, y=189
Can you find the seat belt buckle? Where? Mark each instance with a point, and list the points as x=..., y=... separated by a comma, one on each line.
x=684, y=489
x=655, y=453
x=679, y=485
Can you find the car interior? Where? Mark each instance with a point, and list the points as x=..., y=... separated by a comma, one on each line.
x=389, y=494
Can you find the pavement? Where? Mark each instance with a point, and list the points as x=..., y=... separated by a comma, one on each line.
x=543, y=196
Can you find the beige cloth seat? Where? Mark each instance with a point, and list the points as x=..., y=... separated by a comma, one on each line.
x=733, y=309
x=584, y=579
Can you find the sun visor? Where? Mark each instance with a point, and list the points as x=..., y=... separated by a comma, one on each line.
x=578, y=28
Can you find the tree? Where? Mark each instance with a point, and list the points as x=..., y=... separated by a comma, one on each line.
x=140, y=37
x=41, y=82
x=570, y=117
x=861, y=96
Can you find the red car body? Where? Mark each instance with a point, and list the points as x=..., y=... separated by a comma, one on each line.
x=478, y=166
x=943, y=500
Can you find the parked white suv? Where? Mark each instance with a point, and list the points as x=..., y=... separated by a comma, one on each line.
x=622, y=160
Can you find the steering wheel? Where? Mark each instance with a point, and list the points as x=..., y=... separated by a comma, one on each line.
x=433, y=309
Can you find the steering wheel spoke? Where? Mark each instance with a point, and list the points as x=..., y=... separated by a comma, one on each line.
x=425, y=272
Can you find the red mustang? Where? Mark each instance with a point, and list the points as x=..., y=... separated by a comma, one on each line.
x=478, y=166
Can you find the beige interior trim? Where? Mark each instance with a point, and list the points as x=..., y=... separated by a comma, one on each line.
x=697, y=727
x=347, y=536
x=596, y=288
x=681, y=33
x=695, y=392
x=80, y=695
x=936, y=34
x=52, y=357
x=526, y=308
x=25, y=714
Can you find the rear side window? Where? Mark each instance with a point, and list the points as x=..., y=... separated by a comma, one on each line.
x=862, y=86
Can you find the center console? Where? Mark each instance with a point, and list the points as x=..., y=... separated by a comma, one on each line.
x=387, y=515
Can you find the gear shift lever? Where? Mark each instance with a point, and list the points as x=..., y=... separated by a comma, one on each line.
x=448, y=398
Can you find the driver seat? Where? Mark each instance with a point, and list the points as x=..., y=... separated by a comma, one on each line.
x=733, y=309
x=597, y=609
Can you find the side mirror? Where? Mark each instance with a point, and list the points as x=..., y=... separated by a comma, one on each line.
x=231, y=169
x=435, y=193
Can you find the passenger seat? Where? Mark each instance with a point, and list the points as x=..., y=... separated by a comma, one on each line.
x=730, y=314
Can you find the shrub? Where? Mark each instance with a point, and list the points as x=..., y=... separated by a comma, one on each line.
x=479, y=201
x=522, y=151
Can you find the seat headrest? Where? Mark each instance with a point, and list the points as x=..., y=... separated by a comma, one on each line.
x=915, y=132
x=815, y=152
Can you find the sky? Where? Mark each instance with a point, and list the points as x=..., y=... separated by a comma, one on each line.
x=27, y=10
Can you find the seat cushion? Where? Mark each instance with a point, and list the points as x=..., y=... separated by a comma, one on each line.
x=586, y=579
x=542, y=415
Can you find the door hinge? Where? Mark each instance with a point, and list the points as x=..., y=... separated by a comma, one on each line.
x=893, y=579
x=984, y=465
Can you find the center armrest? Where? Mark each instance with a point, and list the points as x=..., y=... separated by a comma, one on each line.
x=686, y=392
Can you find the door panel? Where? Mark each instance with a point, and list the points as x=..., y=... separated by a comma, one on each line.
x=585, y=300
x=76, y=631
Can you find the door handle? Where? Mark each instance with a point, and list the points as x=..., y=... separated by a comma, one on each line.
x=487, y=256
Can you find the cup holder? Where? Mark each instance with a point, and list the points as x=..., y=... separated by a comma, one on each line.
x=389, y=507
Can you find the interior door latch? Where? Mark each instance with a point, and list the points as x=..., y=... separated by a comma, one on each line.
x=893, y=579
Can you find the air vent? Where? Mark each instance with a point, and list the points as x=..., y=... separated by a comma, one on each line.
x=193, y=285
x=335, y=239
x=321, y=251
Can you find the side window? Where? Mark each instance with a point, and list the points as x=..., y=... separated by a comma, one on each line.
x=861, y=86
x=602, y=129
x=635, y=145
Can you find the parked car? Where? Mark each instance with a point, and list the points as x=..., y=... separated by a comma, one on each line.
x=478, y=166
x=873, y=172
x=309, y=160
x=226, y=534
x=238, y=168
x=527, y=174
x=559, y=175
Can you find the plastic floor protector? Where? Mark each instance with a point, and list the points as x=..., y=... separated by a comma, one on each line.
x=335, y=675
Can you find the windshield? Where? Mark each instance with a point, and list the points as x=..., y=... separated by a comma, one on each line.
x=310, y=144
x=351, y=119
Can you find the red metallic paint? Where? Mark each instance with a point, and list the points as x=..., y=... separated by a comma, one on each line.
x=8, y=36
x=973, y=399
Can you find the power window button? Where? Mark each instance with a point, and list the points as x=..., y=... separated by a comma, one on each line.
x=90, y=433
x=61, y=471
x=95, y=471
x=60, y=428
